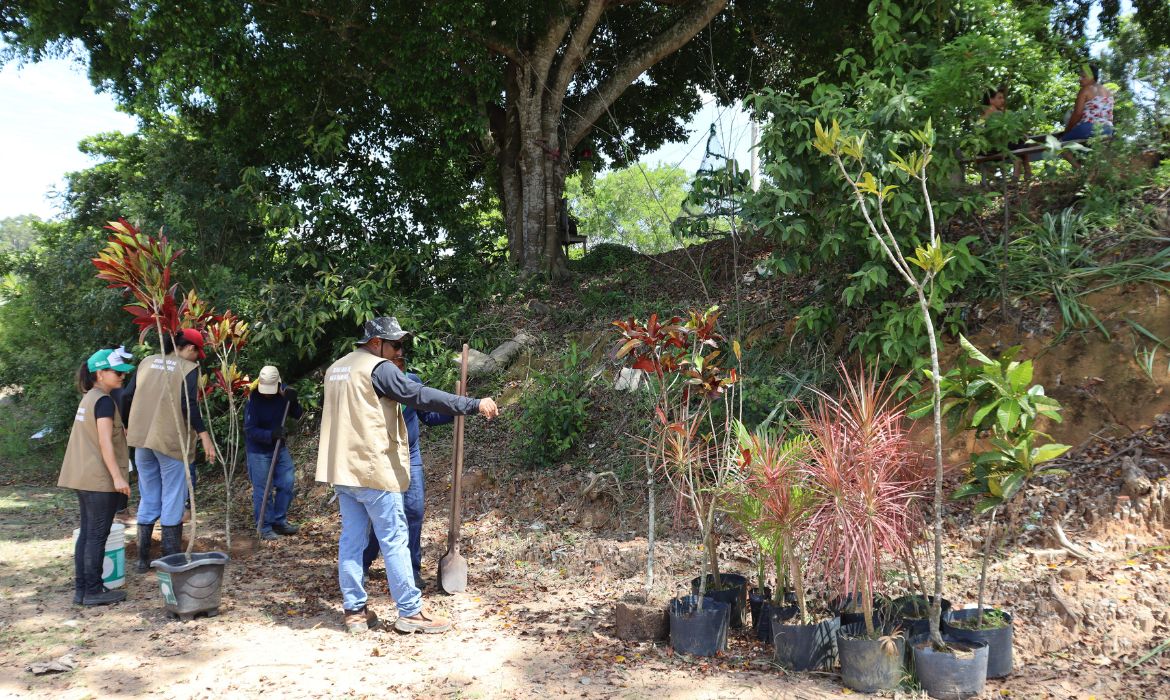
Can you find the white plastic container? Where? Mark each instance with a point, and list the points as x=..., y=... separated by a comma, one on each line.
x=114, y=563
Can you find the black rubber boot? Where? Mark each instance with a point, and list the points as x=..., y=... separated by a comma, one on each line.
x=172, y=539
x=145, y=535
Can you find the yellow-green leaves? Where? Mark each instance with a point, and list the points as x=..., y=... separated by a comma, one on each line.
x=869, y=185
x=931, y=258
x=914, y=165
x=826, y=140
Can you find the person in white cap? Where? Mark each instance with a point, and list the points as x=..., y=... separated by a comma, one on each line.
x=263, y=429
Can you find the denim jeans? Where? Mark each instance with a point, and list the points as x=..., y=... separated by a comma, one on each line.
x=414, y=505
x=281, y=493
x=361, y=509
x=162, y=487
x=97, y=515
x=1086, y=129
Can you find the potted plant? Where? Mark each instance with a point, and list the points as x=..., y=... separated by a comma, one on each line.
x=866, y=479
x=996, y=399
x=802, y=641
x=941, y=672
x=692, y=447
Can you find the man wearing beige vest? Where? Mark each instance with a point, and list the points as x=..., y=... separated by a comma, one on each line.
x=364, y=454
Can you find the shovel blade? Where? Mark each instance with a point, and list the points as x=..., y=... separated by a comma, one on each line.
x=453, y=573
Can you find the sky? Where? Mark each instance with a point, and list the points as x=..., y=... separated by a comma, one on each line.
x=46, y=108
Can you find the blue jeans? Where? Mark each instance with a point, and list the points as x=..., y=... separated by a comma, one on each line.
x=162, y=487
x=281, y=493
x=414, y=505
x=361, y=509
x=1086, y=129
x=97, y=510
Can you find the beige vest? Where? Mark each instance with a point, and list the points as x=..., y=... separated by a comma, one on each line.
x=83, y=467
x=160, y=386
x=363, y=437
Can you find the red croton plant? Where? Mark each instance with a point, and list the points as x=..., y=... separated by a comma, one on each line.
x=689, y=443
x=140, y=265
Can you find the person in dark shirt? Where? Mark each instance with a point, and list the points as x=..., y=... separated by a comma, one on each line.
x=263, y=428
x=158, y=440
x=95, y=467
x=414, y=500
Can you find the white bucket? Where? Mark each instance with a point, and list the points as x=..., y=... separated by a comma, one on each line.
x=114, y=563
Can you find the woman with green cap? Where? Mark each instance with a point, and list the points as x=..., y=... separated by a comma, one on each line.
x=96, y=466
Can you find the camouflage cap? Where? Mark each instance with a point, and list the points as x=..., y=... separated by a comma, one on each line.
x=384, y=327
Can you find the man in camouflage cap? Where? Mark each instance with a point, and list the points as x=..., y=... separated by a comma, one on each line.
x=364, y=454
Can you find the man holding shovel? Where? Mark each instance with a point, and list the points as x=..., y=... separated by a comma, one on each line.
x=364, y=453
x=270, y=466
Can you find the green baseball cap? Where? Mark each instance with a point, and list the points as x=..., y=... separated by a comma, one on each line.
x=117, y=359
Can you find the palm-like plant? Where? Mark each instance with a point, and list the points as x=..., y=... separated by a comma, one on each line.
x=776, y=479
x=866, y=481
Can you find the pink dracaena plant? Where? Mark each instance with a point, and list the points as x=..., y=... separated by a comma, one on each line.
x=867, y=479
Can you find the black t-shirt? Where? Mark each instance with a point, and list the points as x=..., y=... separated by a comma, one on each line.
x=104, y=408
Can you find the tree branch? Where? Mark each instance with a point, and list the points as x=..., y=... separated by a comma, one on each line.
x=546, y=49
x=575, y=53
x=638, y=62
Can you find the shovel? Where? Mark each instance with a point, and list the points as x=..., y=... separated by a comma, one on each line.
x=453, y=567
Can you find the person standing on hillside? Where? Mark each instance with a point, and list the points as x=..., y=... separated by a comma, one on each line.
x=95, y=466
x=414, y=500
x=364, y=454
x=263, y=426
x=165, y=386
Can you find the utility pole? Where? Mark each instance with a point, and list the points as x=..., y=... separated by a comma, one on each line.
x=755, y=160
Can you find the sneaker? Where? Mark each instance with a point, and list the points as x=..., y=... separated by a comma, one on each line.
x=422, y=623
x=358, y=621
x=104, y=597
x=269, y=536
x=286, y=529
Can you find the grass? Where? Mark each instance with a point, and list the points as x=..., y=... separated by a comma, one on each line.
x=1065, y=258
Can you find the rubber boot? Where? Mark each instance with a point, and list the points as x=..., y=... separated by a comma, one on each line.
x=172, y=539
x=145, y=535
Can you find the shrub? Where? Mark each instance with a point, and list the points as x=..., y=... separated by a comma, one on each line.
x=553, y=414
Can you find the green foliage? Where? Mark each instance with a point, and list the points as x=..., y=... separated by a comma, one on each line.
x=1066, y=257
x=996, y=398
x=606, y=257
x=53, y=314
x=919, y=69
x=632, y=206
x=18, y=233
x=554, y=412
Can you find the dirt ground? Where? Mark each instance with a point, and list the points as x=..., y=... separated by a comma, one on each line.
x=546, y=568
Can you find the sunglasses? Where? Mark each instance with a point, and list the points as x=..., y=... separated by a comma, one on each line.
x=396, y=344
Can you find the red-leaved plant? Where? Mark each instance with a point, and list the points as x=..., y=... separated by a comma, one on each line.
x=226, y=335
x=140, y=265
x=867, y=479
x=695, y=450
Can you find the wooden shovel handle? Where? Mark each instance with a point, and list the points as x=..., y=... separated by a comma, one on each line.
x=457, y=480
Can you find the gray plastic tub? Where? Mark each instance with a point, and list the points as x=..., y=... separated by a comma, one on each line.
x=190, y=584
